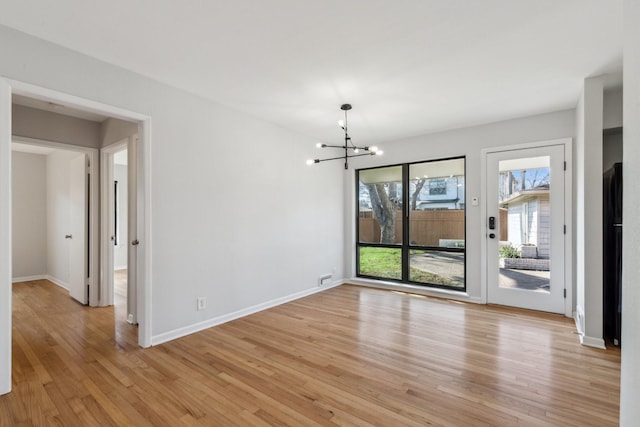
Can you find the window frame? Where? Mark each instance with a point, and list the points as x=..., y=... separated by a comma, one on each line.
x=405, y=246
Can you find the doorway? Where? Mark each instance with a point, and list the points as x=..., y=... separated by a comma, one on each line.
x=119, y=230
x=8, y=88
x=54, y=223
x=525, y=227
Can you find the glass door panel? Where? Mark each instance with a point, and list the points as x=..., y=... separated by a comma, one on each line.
x=525, y=228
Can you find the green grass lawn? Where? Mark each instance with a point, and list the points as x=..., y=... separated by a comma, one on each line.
x=381, y=262
x=387, y=263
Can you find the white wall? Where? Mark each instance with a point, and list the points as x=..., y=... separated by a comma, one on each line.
x=237, y=216
x=612, y=120
x=612, y=147
x=630, y=369
x=468, y=142
x=58, y=215
x=612, y=114
x=588, y=196
x=120, y=251
x=29, y=213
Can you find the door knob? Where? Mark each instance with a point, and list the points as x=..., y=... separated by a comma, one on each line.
x=67, y=236
x=135, y=242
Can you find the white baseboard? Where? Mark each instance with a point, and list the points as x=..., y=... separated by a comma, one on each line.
x=28, y=278
x=55, y=281
x=578, y=317
x=592, y=342
x=218, y=320
x=52, y=279
x=584, y=339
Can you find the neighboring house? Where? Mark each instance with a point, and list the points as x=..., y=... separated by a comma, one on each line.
x=442, y=193
x=528, y=218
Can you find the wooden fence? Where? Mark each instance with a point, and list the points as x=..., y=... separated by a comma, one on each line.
x=426, y=227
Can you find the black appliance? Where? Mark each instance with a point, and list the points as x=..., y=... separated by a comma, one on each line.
x=612, y=253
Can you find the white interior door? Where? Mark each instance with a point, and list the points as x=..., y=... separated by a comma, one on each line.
x=77, y=237
x=526, y=228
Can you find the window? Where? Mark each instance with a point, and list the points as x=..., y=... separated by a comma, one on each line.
x=437, y=187
x=411, y=223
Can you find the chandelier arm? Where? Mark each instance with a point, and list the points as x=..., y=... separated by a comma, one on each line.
x=351, y=147
x=330, y=158
x=348, y=144
x=360, y=155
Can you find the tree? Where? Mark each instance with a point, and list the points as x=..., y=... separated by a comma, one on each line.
x=384, y=210
x=416, y=193
x=537, y=177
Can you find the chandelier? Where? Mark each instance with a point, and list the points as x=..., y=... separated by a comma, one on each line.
x=350, y=150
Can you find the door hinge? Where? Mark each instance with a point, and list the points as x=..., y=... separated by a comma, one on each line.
x=565, y=292
x=565, y=165
x=565, y=229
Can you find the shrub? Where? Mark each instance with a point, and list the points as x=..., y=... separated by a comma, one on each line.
x=508, y=251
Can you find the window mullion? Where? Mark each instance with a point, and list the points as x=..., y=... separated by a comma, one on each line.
x=405, y=222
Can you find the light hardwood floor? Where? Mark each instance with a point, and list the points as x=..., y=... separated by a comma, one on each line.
x=347, y=356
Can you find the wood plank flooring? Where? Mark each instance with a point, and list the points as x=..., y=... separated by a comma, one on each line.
x=349, y=356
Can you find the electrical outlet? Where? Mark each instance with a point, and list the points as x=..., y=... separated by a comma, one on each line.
x=201, y=303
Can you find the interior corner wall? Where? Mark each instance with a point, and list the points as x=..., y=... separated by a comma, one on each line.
x=29, y=213
x=612, y=148
x=467, y=142
x=39, y=124
x=115, y=130
x=630, y=340
x=612, y=108
x=588, y=214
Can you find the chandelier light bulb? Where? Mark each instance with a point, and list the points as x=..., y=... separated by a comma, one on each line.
x=319, y=145
x=374, y=148
x=355, y=150
x=379, y=152
x=310, y=162
x=341, y=123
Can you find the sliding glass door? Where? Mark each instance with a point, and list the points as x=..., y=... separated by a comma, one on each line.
x=411, y=223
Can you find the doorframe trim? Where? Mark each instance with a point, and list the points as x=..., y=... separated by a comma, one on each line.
x=144, y=191
x=568, y=216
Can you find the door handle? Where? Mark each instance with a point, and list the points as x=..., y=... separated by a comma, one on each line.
x=135, y=242
x=492, y=236
x=67, y=236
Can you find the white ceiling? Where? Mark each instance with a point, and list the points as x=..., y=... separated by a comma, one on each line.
x=31, y=148
x=408, y=66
